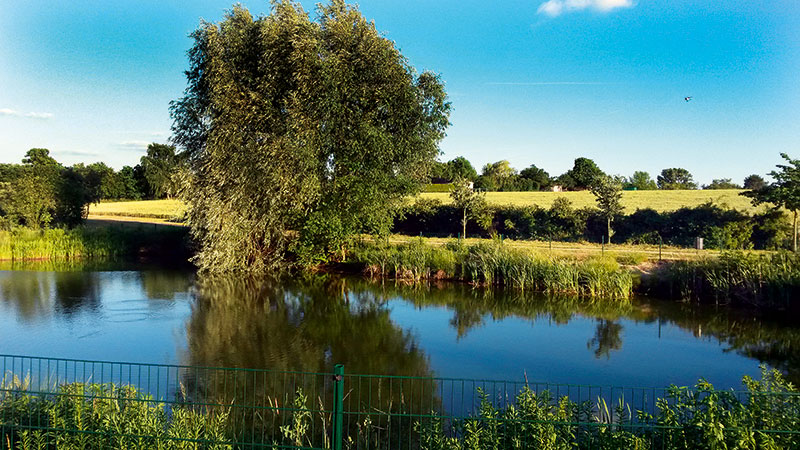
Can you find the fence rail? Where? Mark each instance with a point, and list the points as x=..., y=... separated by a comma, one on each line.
x=70, y=403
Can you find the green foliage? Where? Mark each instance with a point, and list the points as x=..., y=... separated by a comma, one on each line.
x=784, y=193
x=723, y=228
x=286, y=119
x=457, y=168
x=722, y=183
x=98, y=416
x=470, y=202
x=583, y=175
x=42, y=192
x=608, y=192
x=161, y=167
x=641, y=181
x=538, y=178
x=675, y=178
x=754, y=182
x=686, y=419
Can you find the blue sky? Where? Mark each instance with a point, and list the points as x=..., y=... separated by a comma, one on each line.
x=535, y=82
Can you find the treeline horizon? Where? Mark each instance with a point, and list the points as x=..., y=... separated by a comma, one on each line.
x=41, y=192
x=157, y=176
x=501, y=176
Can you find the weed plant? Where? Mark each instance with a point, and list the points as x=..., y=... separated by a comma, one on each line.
x=767, y=416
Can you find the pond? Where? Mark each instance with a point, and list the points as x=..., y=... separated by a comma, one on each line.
x=153, y=315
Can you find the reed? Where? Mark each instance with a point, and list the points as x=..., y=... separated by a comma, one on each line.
x=763, y=280
x=494, y=264
x=58, y=244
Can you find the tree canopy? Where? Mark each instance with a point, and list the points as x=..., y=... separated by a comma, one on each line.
x=641, y=181
x=784, y=192
x=582, y=176
x=608, y=193
x=675, y=178
x=754, y=182
x=293, y=125
x=722, y=183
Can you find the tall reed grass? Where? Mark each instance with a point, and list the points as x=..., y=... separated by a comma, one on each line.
x=763, y=280
x=25, y=244
x=497, y=265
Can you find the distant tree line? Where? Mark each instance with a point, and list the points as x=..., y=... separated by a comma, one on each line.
x=43, y=192
x=584, y=175
x=721, y=227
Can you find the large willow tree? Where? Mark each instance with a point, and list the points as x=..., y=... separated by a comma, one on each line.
x=300, y=133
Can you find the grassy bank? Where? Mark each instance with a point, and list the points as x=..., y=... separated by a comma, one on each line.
x=768, y=281
x=23, y=244
x=493, y=263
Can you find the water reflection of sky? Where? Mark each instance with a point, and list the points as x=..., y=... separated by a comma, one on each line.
x=142, y=316
x=546, y=351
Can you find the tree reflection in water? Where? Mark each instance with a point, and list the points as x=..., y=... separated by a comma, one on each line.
x=303, y=326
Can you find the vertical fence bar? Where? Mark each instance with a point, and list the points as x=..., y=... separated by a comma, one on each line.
x=338, y=407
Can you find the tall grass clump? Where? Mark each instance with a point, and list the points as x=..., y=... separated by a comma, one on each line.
x=764, y=280
x=494, y=264
x=60, y=244
x=766, y=416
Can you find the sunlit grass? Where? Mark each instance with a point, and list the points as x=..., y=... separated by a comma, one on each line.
x=631, y=200
x=164, y=209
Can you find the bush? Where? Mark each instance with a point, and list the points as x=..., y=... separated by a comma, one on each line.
x=700, y=418
x=722, y=228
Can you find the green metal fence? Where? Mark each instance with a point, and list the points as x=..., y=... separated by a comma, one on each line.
x=82, y=404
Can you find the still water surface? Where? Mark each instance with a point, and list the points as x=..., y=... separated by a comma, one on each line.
x=309, y=324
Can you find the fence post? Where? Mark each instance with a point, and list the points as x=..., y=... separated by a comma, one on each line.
x=338, y=407
x=660, y=243
x=603, y=246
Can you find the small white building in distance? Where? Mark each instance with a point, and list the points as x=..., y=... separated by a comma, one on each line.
x=557, y=188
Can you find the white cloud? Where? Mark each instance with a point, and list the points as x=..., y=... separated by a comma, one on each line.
x=555, y=8
x=82, y=153
x=30, y=115
x=134, y=145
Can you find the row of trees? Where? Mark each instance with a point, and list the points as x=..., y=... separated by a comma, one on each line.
x=784, y=193
x=41, y=191
x=500, y=176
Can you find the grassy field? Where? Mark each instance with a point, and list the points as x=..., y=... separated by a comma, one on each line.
x=632, y=200
x=158, y=209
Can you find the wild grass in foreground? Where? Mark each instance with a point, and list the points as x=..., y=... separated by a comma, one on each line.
x=493, y=263
x=94, y=416
x=768, y=417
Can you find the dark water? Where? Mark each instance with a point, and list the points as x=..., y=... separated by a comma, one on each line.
x=308, y=324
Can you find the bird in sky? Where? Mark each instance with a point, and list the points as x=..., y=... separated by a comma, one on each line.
x=687, y=98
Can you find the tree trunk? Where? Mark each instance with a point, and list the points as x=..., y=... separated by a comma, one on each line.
x=609, y=230
x=794, y=232
x=464, y=224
